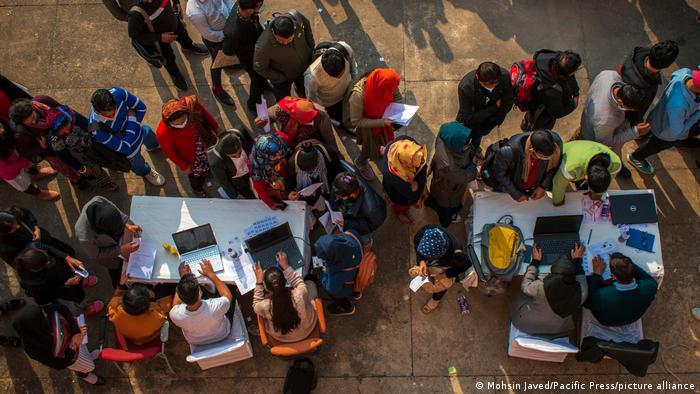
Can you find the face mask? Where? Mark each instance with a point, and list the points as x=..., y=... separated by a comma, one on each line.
x=180, y=126
x=489, y=89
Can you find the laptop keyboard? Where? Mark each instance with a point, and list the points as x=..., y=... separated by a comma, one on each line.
x=194, y=258
x=556, y=246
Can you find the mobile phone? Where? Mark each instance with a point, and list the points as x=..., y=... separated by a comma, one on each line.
x=81, y=271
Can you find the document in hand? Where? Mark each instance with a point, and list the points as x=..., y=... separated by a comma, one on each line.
x=261, y=110
x=400, y=113
x=418, y=282
x=310, y=190
x=331, y=220
x=141, y=261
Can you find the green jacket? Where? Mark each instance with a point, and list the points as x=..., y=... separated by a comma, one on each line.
x=574, y=163
x=613, y=307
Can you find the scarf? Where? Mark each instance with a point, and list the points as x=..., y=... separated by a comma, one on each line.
x=260, y=160
x=56, y=116
x=189, y=105
x=301, y=111
x=42, y=110
x=406, y=158
x=305, y=178
x=379, y=93
x=561, y=289
x=552, y=162
x=434, y=244
x=104, y=218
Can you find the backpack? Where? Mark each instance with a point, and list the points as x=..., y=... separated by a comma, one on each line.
x=502, y=251
x=301, y=377
x=60, y=335
x=323, y=46
x=487, y=165
x=366, y=269
x=523, y=77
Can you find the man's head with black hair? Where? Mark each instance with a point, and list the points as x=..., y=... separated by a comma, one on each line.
x=21, y=112
x=567, y=62
x=136, y=300
x=597, y=175
x=630, y=97
x=103, y=103
x=621, y=267
x=488, y=74
x=542, y=143
x=662, y=55
x=333, y=62
x=188, y=290
x=283, y=28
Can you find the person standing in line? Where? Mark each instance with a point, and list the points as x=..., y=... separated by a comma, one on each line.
x=329, y=77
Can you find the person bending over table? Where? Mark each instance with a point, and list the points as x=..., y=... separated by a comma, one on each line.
x=106, y=235
x=545, y=303
x=625, y=300
x=288, y=312
x=203, y=321
x=269, y=172
x=587, y=163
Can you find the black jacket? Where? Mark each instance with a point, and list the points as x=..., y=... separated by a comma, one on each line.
x=366, y=214
x=37, y=343
x=477, y=106
x=13, y=244
x=48, y=285
x=455, y=261
x=222, y=167
x=167, y=21
x=555, y=94
x=120, y=8
x=508, y=165
x=398, y=190
x=635, y=73
x=240, y=36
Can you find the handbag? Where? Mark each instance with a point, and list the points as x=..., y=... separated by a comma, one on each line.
x=154, y=58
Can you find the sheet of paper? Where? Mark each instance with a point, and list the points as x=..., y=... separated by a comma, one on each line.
x=417, y=282
x=602, y=249
x=242, y=269
x=141, y=261
x=222, y=60
x=400, y=113
x=261, y=110
x=331, y=220
x=81, y=323
x=310, y=190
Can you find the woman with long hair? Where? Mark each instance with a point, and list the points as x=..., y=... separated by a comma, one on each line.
x=288, y=311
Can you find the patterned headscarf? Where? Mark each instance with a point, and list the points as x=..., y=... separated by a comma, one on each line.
x=406, y=158
x=57, y=115
x=433, y=245
x=260, y=161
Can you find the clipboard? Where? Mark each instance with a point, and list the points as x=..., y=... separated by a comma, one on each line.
x=222, y=60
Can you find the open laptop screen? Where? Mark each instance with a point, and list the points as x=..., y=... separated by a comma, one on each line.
x=269, y=238
x=558, y=224
x=194, y=238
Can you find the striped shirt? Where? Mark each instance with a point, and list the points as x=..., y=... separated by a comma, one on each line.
x=127, y=135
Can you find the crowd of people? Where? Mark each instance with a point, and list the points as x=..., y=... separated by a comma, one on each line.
x=301, y=149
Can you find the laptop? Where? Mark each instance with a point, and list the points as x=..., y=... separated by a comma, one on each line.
x=196, y=244
x=633, y=208
x=264, y=246
x=556, y=235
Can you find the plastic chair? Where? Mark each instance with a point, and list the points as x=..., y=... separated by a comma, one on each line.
x=311, y=342
x=128, y=352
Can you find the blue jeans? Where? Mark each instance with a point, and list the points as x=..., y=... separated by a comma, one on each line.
x=138, y=163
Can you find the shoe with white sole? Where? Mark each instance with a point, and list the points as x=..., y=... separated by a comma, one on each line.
x=154, y=178
x=642, y=166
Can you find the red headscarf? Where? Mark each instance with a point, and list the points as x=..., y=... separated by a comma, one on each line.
x=300, y=110
x=379, y=93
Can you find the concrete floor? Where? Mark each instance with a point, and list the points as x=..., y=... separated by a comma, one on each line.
x=68, y=48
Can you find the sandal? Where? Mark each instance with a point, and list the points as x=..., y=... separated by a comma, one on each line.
x=12, y=305
x=430, y=306
x=10, y=341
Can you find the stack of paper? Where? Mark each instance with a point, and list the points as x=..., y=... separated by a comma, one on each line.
x=331, y=220
x=141, y=261
x=603, y=249
x=242, y=269
x=523, y=345
x=400, y=113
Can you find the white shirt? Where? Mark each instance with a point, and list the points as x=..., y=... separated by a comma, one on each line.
x=241, y=164
x=208, y=324
x=209, y=17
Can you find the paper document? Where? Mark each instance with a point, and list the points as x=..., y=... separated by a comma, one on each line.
x=603, y=249
x=331, y=220
x=261, y=110
x=400, y=113
x=141, y=260
x=242, y=270
x=81, y=323
x=223, y=60
x=417, y=282
x=310, y=190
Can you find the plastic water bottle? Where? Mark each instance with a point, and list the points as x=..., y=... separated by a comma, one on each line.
x=463, y=304
x=605, y=210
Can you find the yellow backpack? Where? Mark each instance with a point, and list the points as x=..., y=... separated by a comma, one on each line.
x=502, y=250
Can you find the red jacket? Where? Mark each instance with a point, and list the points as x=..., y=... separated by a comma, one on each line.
x=178, y=144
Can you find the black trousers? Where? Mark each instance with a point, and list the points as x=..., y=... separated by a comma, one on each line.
x=197, y=182
x=537, y=119
x=335, y=111
x=167, y=50
x=258, y=84
x=284, y=89
x=214, y=48
x=654, y=145
x=242, y=186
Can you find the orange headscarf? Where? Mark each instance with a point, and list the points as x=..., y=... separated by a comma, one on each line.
x=379, y=93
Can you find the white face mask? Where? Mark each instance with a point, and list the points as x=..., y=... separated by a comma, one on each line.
x=489, y=89
x=180, y=126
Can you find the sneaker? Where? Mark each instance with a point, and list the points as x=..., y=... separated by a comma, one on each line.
x=696, y=313
x=357, y=295
x=154, y=178
x=198, y=49
x=365, y=170
x=179, y=82
x=337, y=310
x=90, y=281
x=224, y=98
x=48, y=195
x=93, y=308
x=642, y=166
x=624, y=173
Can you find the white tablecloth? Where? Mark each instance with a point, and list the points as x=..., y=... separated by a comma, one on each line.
x=160, y=217
x=488, y=207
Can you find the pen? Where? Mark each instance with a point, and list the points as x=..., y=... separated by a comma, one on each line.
x=589, y=237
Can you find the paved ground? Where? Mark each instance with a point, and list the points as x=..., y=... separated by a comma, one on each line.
x=68, y=48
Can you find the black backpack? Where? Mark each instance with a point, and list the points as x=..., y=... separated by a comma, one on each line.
x=486, y=166
x=301, y=377
x=323, y=46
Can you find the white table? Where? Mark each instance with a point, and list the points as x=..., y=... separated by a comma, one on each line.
x=488, y=207
x=160, y=217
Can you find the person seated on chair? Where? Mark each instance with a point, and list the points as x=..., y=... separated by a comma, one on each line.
x=438, y=255
x=624, y=301
x=203, y=321
x=363, y=209
x=587, y=162
x=545, y=303
x=134, y=313
x=288, y=312
x=525, y=165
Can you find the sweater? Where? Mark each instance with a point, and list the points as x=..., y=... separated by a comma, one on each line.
x=179, y=144
x=324, y=89
x=676, y=111
x=280, y=63
x=127, y=134
x=240, y=36
x=477, y=106
x=342, y=255
x=613, y=307
x=303, y=304
x=99, y=248
x=209, y=17
x=138, y=329
x=556, y=95
x=163, y=19
x=602, y=119
x=574, y=162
